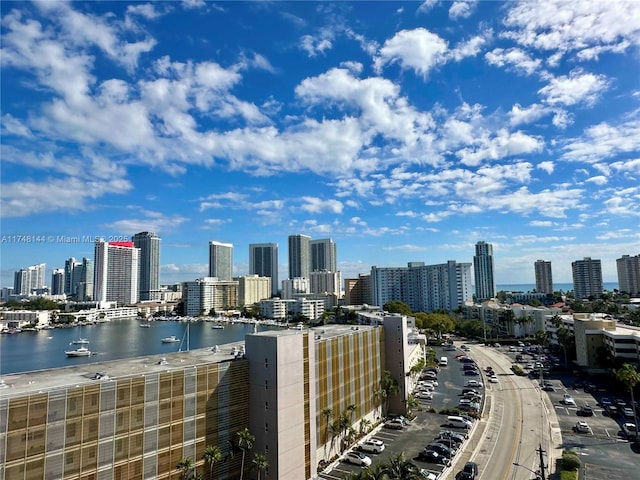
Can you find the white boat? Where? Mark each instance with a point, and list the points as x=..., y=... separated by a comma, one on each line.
x=81, y=341
x=217, y=327
x=171, y=339
x=78, y=352
x=145, y=325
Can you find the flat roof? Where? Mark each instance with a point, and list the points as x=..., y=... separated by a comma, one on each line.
x=14, y=384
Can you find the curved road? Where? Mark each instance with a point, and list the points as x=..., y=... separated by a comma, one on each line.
x=517, y=420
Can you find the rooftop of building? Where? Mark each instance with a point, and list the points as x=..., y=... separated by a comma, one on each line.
x=22, y=383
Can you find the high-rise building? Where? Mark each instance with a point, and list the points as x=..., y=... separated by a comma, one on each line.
x=252, y=289
x=299, y=256
x=84, y=287
x=72, y=276
x=325, y=282
x=221, y=261
x=357, y=291
x=629, y=274
x=57, y=281
x=544, y=279
x=423, y=287
x=323, y=255
x=149, y=245
x=263, y=261
x=205, y=294
x=26, y=280
x=483, y=272
x=587, y=278
x=294, y=286
x=116, y=270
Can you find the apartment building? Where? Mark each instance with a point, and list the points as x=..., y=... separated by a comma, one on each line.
x=141, y=416
x=204, y=294
x=252, y=289
x=587, y=278
x=629, y=274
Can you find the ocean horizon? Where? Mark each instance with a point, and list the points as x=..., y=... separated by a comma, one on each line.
x=528, y=287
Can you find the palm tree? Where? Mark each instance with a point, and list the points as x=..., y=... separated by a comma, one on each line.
x=389, y=387
x=412, y=404
x=212, y=456
x=365, y=426
x=245, y=442
x=326, y=413
x=260, y=463
x=344, y=423
x=629, y=376
x=186, y=467
x=399, y=468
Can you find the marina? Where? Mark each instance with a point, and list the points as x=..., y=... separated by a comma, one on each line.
x=117, y=339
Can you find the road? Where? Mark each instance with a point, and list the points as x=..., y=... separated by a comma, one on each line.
x=518, y=418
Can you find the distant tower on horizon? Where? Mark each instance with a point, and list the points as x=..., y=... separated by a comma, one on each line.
x=221, y=261
x=116, y=272
x=26, y=280
x=323, y=255
x=483, y=272
x=587, y=278
x=544, y=279
x=57, y=281
x=299, y=256
x=263, y=261
x=149, y=245
x=629, y=274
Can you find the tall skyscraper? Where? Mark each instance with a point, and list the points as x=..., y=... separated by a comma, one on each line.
x=587, y=278
x=57, y=281
x=323, y=255
x=221, y=261
x=84, y=287
x=544, y=279
x=71, y=276
x=149, y=245
x=116, y=271
x=483, y=271
x=263, y=261
x=26, y=280
x=299, y=256
x=629, y=274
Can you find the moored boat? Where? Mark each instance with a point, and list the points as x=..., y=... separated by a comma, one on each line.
x=78, y=352
x=171, y=339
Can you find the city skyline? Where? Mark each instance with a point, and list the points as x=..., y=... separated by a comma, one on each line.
x=374, y=124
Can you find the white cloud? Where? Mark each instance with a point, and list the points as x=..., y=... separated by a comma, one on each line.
x=315, y=46
x=154, y=222
x=519, y=115
x=514, y=58
x=604, y=141
x=427, y=5
x=548, y=166
x=577, y=87
x=598, y=180
x=581, y=25
x=541, y=223
x=503, y=144
x=318, y=205
x=469, y=48
x=418, y=50
x=407, y=247
x=460, y=9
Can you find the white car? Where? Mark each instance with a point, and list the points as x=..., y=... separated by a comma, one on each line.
x=568, y=400
x=432, y=383
x=493, y=379
x=630, y=429
x=582, y=427
x=474, y=383
x=425, y=395
x=627, y=412
x=358, y=458
x=372, y=445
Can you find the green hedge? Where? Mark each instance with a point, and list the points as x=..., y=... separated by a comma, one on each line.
x=568, y=475
x=570, y=460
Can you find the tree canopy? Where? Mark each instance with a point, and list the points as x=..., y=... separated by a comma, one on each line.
x=395, y=306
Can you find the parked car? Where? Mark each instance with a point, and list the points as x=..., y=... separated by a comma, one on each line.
x=457, y=436
x=468, y=472
x=474, y=383
x=428, y=475
x=394, y=424
x=424, y=395
x=471, y=373
x=582, y=427
x=547, y=386
x=357, y=458
x=585, y=411
x=470, y=390
x=372, y=445
x=433, y=457
x=628, y=412
x=568, y=400
x=440, y=449
x=630, y=430
x=493, y=379
x=612, y=410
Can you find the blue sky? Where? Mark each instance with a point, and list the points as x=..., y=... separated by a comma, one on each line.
x=405, y=131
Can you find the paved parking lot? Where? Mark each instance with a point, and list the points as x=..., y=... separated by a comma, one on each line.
x=423, y=429
x=605, y=452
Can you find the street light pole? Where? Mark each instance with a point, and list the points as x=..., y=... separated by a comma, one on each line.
x=537, y=474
